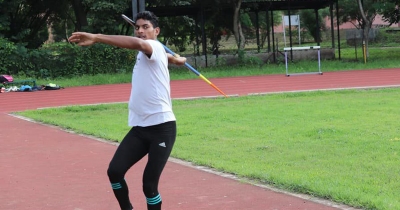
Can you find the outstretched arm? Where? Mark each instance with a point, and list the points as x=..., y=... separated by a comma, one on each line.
x=134, y=43
x=176, y=60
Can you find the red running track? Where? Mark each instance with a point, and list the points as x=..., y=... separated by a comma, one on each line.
x=45, y=168
x=198, y=88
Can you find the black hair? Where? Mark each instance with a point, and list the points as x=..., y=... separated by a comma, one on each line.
x=147, y=15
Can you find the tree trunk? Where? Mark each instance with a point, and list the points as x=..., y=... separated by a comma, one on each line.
x=366, y=38
x=80, y=15
x=237, y=28
x=366, y=26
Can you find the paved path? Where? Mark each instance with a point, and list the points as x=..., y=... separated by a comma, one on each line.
x=42, y=167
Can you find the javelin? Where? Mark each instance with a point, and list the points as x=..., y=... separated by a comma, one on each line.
x=176, y=55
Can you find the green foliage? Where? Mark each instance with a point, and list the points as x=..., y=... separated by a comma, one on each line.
x=307, y=21
x=245, y=20
x=64, y=60
x=105, y=16
x=12, y=56
x=387, y=39
x=262, y=16
x=350, y=11
x=178, y=31
x=4, y=26
x=71, y=60
x=390, y=11
x=25, y=21
x=6, y=50
x=264, y=23
x=248, y=60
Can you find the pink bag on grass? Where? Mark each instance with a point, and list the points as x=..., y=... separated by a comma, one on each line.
x=6, y=78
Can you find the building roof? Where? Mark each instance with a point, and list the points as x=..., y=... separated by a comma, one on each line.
x=255, y=5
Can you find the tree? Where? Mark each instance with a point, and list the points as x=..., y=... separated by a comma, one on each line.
x=80, y=14
x=390, y=11
x=3, y=19
x=367, y=22
x=237, y=27
x=30, y=21
x=265, y=26
x=177, y=30
x=231, y=9
x=216, y=27
x=364, y=13
x=307, y=19
x=224, y=14
x=25, y=21
x=104, y=16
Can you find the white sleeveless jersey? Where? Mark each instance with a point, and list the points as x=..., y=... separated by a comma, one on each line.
x=150, y=100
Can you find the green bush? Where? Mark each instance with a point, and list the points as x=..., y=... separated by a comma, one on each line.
x=387, y=37
x=63, y=59
x=12, y=57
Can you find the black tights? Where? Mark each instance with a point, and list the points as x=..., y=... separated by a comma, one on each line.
x=156, y=141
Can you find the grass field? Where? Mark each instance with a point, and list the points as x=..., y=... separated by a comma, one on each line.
x=339, y=145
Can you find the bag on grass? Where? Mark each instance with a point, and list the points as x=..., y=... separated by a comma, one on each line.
x=52, y=86
x=25, y=88
x=6, y=78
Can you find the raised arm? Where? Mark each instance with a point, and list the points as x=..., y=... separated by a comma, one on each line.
x=134, y=43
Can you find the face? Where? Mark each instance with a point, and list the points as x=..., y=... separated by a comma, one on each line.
x=145, y=30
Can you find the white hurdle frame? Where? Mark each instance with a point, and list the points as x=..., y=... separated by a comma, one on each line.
x=286, y=49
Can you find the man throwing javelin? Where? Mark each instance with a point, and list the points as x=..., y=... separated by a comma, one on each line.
x=153, y=124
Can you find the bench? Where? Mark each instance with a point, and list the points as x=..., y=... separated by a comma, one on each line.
x=21, y=82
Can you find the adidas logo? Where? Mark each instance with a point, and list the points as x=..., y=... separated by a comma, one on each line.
x=162, y=144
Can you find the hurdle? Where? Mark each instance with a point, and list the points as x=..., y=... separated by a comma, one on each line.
x=287, y=49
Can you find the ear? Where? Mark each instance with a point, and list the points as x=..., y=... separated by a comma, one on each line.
x=157, y=31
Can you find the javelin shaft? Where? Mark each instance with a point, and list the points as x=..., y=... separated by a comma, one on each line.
x=186, y=64
x=195, y=71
